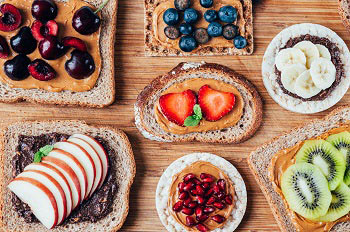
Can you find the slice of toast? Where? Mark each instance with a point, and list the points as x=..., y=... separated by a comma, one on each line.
x=259, y=161
x=102, y=94
x=245, y=128
x=153, y=47
x=344, y=12
x=125, y=173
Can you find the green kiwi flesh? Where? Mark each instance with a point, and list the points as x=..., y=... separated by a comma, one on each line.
x=325, y=156
x=305, y=188
x=340, y=204
x=341, y=141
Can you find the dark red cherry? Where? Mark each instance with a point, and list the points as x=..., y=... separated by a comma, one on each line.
x=10, y=19
x=4, y=48
x=41, y=70
x=23, y=42
x=17, y=68
x=41, y=30
x=44, y=10
x=51, y=49
x=86, y=21
x=74, y=42
x=81, y=65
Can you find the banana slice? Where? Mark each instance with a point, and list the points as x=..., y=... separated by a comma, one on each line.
x=310, y=50
x=323, y=73
x=289, y=56
x=305, y=87
x=290, y=74
x=324, y=52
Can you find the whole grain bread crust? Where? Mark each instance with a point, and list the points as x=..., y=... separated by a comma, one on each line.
x=260, y=159
x=160, y=82
x=102, y=94
x=154, y=48
x=78, y=127
x=344, y=13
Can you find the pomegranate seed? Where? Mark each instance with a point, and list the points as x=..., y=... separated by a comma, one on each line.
x=209, y=192
x=189, y=177
x=183, y=196
x=181, y=186
x=187, y=201
x=208, y=209
x=189, y=186
x=218, y=218
x=228, y=199
x=211, y=200
x=187, y=211
x=194, y=192
x=201, y=228
x=202, y=218
x=178, y=206
x=222, y=184
x=208, y=180
x=198, y=211
x=216, y=189
x=190, y=221
x=200, y=190
x=205, y=175
x=205, y=185
x=219, y=205
x=201, y=200
x=220, y=196
x=196, y=181
x=193, y=204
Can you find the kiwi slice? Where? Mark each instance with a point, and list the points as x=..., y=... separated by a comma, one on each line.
x=306, y=190
x=340, y=204
x=325, y=156
x=341, y=141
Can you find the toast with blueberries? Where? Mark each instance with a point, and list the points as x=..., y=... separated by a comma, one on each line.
x=198, y=27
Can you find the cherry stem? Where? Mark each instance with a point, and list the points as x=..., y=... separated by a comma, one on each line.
x=102, y=6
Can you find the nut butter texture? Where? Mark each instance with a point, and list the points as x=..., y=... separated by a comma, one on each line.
x=197, y=168
x=62, y=81
x=195, y=84
x=279, y=164
x=219, y=42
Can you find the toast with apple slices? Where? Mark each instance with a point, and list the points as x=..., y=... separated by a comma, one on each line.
x=123, y=163
x=249, y=123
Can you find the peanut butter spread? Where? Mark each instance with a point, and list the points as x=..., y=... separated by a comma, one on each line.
x=62, y=81
x=195, y=84
x=279, y=164
x=197, y=168
x=218, y=42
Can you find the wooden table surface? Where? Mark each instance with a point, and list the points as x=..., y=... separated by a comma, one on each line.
x=134, y=71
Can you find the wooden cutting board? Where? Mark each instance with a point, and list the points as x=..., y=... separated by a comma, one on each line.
x=134, y=72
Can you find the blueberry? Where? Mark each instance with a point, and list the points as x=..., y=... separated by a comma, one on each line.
x=210, y=16
x=215, y=29
x=186, y=29
x=187, y=43
x=206, y=3
x=240, y=42
x=191, y=16
x=228, y=14
x=182, y=5
x=171, y=32
x=171, y=16
x=230, y=31
x=201, y=35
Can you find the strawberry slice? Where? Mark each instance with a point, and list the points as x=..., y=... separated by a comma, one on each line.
x=215, y=104
x=176, y=107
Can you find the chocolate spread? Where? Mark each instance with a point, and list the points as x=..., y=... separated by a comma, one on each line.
x=93, y=209
x=279, y=164
x=335, y=54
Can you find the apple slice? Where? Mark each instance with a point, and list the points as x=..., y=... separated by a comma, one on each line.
x=85, y=160
x=68, y=160
x=96, y=158
x=39, y=198
x=58, y=176
x=100, y=151
x=55, y=189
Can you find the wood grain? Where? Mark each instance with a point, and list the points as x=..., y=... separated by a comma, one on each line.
x=134, y=71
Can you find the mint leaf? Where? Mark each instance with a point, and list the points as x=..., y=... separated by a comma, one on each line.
x=191, y=121
x=44, y=151
x=198, y=111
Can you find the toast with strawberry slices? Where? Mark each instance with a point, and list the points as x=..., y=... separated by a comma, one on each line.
x=248, y=124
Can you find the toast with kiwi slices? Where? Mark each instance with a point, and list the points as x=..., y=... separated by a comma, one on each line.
x=304, y=174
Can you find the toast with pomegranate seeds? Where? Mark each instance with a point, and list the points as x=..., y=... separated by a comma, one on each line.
x=248, y=124
x=102, y=94
x=121, y=167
